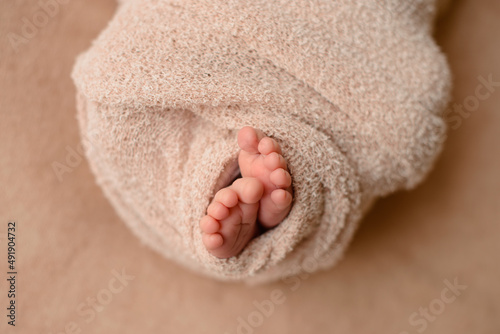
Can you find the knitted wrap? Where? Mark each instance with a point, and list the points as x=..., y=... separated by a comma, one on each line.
x=352, y=90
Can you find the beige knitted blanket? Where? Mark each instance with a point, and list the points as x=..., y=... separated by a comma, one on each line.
x=352, y=90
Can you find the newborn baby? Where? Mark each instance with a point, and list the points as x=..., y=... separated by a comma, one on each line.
x=352, y=91
x=261, y=198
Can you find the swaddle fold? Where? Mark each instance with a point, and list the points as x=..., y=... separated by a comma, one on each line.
x=353, y=92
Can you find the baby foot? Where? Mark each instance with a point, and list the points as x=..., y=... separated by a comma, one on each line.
x=231, y=220
x=260, y=157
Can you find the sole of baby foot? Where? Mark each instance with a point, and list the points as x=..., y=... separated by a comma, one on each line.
x=261, y=157
x=231, y=220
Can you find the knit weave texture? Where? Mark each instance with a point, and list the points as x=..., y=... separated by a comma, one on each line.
x=354, y=92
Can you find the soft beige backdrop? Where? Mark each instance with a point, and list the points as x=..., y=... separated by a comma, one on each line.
x=71, y=244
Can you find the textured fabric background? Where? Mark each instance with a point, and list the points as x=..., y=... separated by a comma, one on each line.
x=70, y=239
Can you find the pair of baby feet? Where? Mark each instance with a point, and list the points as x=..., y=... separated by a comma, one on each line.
x=261, y=198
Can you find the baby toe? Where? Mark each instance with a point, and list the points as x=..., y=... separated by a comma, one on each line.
x=209, y=225
x=280, y=178
x=281, y=198
x=248, y=139
x=228, y=197
x=274, y=160
x=268, y=145
x=212, y=241
x=217, y=210
x=249, y=189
